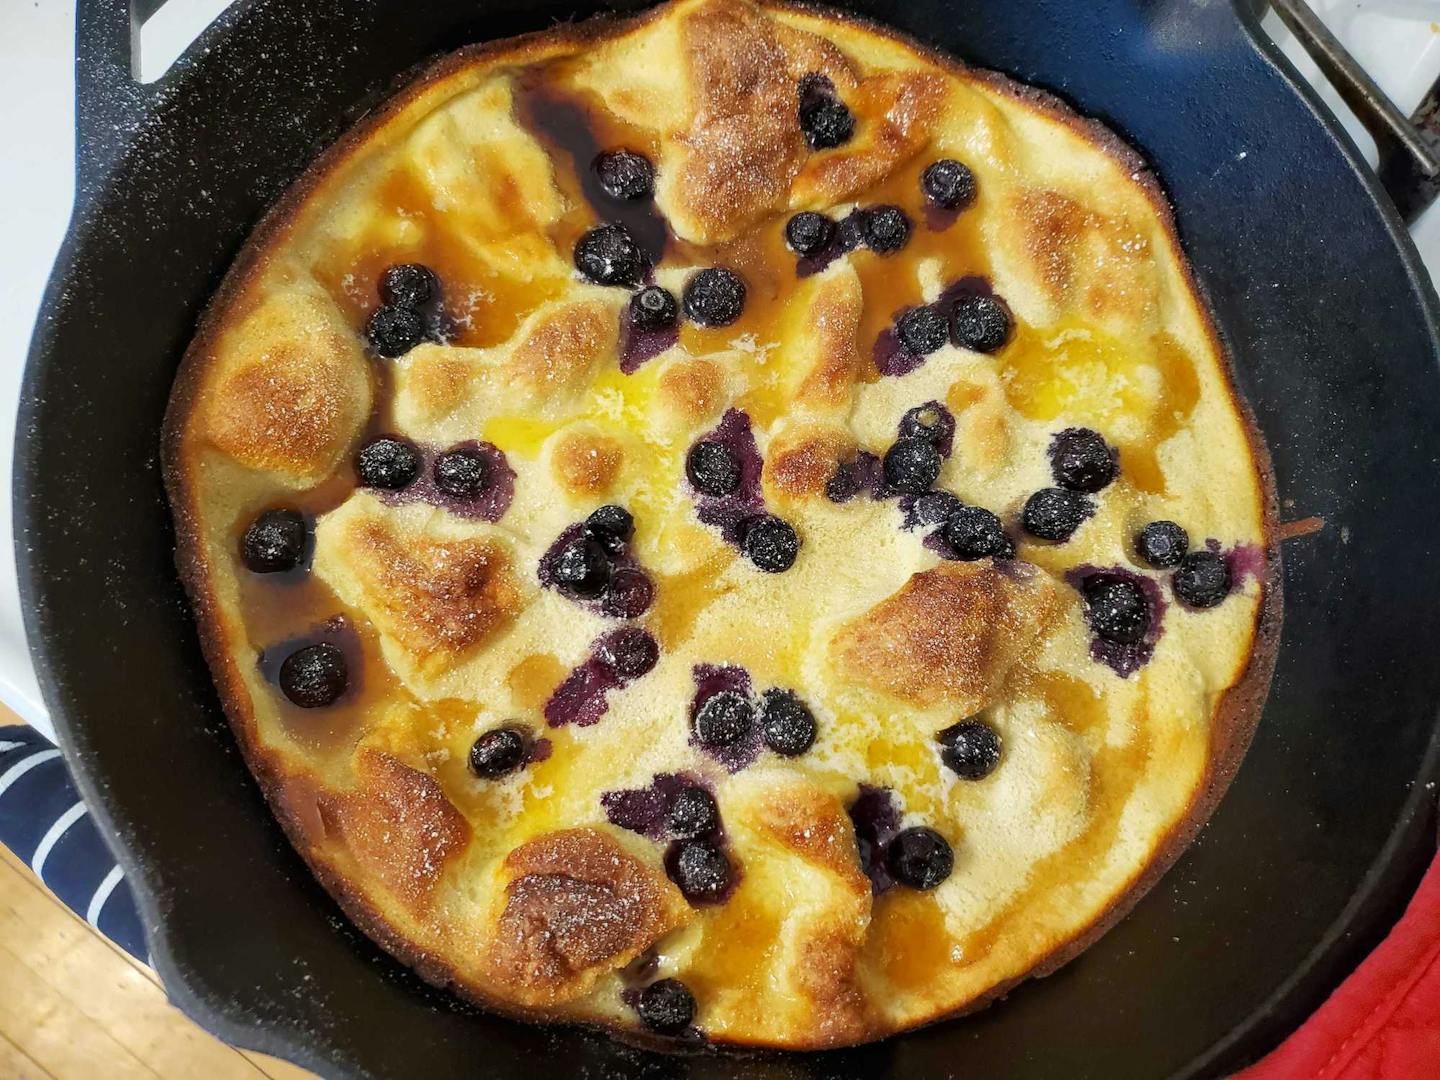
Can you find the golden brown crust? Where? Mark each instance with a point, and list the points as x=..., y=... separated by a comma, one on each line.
x=587, y=462
x=298, y=446
x=949, y=635
x=577, y=903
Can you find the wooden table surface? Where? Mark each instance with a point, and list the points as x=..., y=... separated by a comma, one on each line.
x=72, y=1005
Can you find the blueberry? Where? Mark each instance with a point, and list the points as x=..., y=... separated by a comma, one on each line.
x=654, y=308
x=394, y=331
x=625, y=174
x=949, y=184
x=608, y=255
x=725, y=719
x=1203, y=579
x=920, y=857
x=611, y=527
x=582, y=568
x=693, y=813
x=931, y=421
x=629, y=595
x=1162, y=544
x=666, y=1007
x=786, y=723
x=1081, y=460
x=498, y=752
x=460, y=472
x=826, y=121
x=274, y=542
x=629, y=652
x=714, y=296
x=1055, y=514
x=409, y=285
x=933, y=508
x=970, y=749
x=701, y=870
x=1117, y=610
x=771, y=544
x=844, y=483
x=922, y=330
x=808, y=233
x=975, y=533
x=714, y=468
x=315, y=675
x=980, y=323
x=887, y=229
x=911, y=465
x=850, y=231
x=387, y=463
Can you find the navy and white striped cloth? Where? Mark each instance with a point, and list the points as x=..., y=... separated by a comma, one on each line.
x=45, y=823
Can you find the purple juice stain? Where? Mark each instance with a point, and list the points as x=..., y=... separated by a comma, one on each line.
x=712, y=679
x=876, y=817
x=638, y=346
x=336, y=630
x=487, y=504
x=864, y=474
x=730, y=513
x=849, y=231
x=539, y=750
x=1123, y=659
x=891, y=358
x=1243, y=560
x=647, y=810
x=582, y=698
x=940, y=218
x=629, y=593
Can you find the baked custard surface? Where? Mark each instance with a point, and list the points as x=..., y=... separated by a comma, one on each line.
x=880, y=695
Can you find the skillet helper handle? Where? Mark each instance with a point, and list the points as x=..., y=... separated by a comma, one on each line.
x=110, y=104
x=1409, y=147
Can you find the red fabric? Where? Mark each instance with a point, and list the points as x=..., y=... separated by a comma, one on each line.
x=1383, y=1023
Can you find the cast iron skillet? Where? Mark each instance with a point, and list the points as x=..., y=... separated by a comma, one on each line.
x=1333, y=327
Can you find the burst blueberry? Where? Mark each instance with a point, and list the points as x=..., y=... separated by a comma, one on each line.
x=581, y=568
x=714, y=296
x=922, y=330
x=980, y=323
x=387, y=463
x=771, y=544
x=919, y=857
x=1202, y=579
x=1162, y=544
x=972, y=532
x=701, y=870
x=693, y=813
x=970, y=749
x=393, y=331
x=315, y=676
x=625, y=174
x=933, y=508
x=629, y=652
x=1081, y=460
x=498, y=752
x=654, y=308
x=809, y=233
x=725, y=719
x=611, y=527
x=461, y=472
x=714, y=468
x=666, y=1007
x=911, y=466
x=1055, y=513
x=608, y=255
x=409, y=285
x=886, y=229
x=948, y=184
x=930, y=421
x=786, y=723
x=825, y=120
x=274, y=542
x=1117, y=610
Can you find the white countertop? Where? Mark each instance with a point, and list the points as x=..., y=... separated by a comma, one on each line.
x=1397, y=40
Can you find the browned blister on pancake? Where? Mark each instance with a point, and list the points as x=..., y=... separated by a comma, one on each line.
x=950, y=635
x=577, y=904
x=802, y=459
x=398, y=826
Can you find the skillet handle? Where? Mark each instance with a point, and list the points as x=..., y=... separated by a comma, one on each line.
x=110, y=105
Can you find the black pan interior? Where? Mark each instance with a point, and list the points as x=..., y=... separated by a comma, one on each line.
x=1333, y=328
